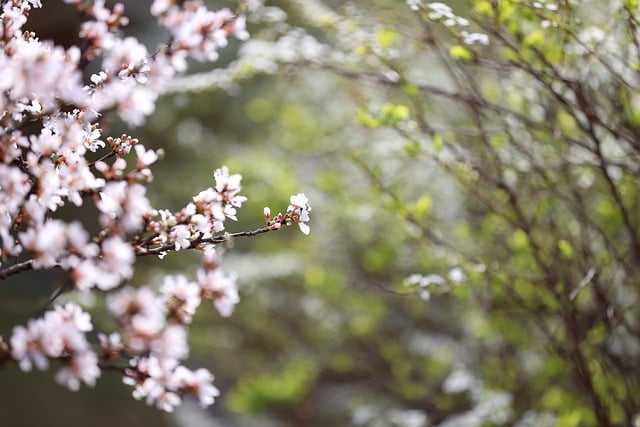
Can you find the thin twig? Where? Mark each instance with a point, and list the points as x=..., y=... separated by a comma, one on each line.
x=215, y=240
x=16, y=268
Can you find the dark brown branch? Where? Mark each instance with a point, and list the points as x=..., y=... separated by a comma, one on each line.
x=215, y=240
x=16, y=268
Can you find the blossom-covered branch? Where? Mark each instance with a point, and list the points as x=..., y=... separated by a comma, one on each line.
x=54, y=153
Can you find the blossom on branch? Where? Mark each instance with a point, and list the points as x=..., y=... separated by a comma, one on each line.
x=54, y=155
x=59, y=334
x=297, y=212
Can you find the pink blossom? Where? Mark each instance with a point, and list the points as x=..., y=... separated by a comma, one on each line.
x=58, y=334
x=140, y=312
x=222, y=289
x=299, y=210
x=162, y=382
x=181, y=235
x=149, y=377
x=123, y=205
x=211, y=260
x=81, y=367
x=145, y=158
x=198, y=382
x=111, y=345
x=26, y=347
x=196, y=30
x=47, y=243
x=15, y=186
x=72, y=314
x=227, y=185
x=171, y=343
x=117, y=257
x=182, y=298
x=168, y=400
x=160, y=7
x=78, y=244
x=125, y=54
x=87, y=274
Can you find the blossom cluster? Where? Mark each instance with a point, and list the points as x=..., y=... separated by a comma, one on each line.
x=442, y=12
x=199, y=220
x=153, y=334
x=59, y=334
x=54, y=154
x=297, y=212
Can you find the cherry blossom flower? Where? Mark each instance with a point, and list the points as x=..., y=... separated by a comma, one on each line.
x=182, y=298
x=59, y=334
x=297, y=212
x=211, y=260
x=123, y=205
x=73, y=315
x=47, y=242
x=199, y=382
x=181, y=235
x=26, y=347
x=171, y=343
x=140, y=312
x=145, y=158
x=161, y=382
x=220, y=288
x=111, y=344
x=81, y=367
x=299, y=209
x=228, y=187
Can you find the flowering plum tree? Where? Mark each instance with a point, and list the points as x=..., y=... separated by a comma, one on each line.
x=54, y=156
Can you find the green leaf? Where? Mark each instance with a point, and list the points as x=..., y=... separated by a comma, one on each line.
x=534, y=39
x=566, y=122
x=597, y=334
x=553, y=398
x=507, y=10
x=410, y=89
x=499, y=139
x=386, y=37
x=570, y=419
x=366, y=119
x=460, y=52
x=566, y=250
x=483, y=7
x=412, y=148
x=422, y=206
x=520, y=240
x=400, y=112
x=394, y=113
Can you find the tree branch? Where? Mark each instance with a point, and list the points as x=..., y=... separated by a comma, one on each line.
x=16, y=268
